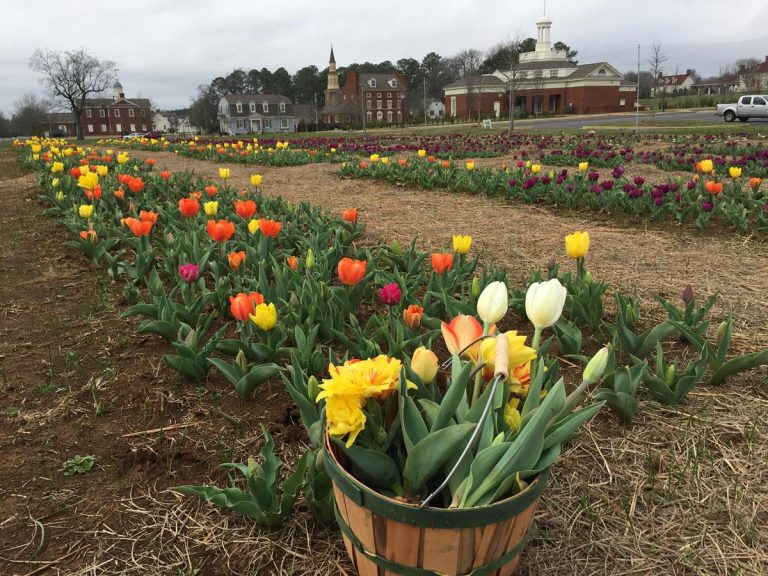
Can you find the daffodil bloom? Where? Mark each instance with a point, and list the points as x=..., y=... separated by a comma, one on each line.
x=462, y=244
x=519, y=353
x=577, y=245
x=265, y=316
x=211, y=208
x=224, y=173
x=253, y=226
x=583, y=166
x=734, y=172
x=85, y=210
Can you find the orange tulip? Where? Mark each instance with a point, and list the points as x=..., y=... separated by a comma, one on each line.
x=165, y=175
x=460, y=333
x=350, y=215
x=135, y=185
x=139, y=227
x=431, y=159
x=124, y=178
x=220, y=230
x=401, y=162
x=293, y=262
x=196, y=194
x=755, y=182
x=236, y=259
x=189, y=207
x=363, y=165
x=245, y=208
x=119, y=193
x=713, y=187
x=150, y=162
x=211, y=191
x=351, y=271
x=412, y=316
x=270, y=228
x=89, y=235
x=243, y=305
x=146, y=216
x=445, y=164
x=442, y=262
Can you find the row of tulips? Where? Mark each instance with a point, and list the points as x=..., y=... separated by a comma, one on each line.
x=731, y=198
x=258, y=288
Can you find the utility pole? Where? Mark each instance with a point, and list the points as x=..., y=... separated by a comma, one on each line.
x=317, y=125
x=362, y=107
x=425, y=104
x=637, y=95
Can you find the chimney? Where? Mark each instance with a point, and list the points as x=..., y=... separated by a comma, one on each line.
x=688, y=72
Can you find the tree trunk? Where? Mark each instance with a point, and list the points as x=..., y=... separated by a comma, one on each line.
x=78, y=119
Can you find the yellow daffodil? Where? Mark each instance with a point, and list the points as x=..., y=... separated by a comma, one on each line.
x=577, y=244
x=462, y=244
x=265, y=316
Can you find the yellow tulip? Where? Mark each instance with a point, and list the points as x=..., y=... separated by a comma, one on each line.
x=86, y=210
x=422, y=153
x=470, y=165
x=577, y=245
x=55, y=182
x=102, y=170
x=583, y=166
x=60, y=196
x=122, y=158
x=385, y=160
x=512, y=414
x=255, y=180
x=211, y=208
x=345, y=417
x=706, y=166
x=424, y=364
x=734, y=172
x=253, y=226
x=57, y=167
x=265, y=316
x=535, y=168
x=374, y=158
x=223, y=173
x=461, y=244
x=89, y=180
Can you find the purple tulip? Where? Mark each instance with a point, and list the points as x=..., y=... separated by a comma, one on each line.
x=639, y=180
x=390, y=294
x=618, y=172
x=707, y=206
x=607, y=184
x=594, y=176
x=687, y=294
x=189, y=272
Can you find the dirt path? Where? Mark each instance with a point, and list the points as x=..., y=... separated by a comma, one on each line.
x=635, y=257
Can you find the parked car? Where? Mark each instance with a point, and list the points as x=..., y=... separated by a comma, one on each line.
x=133, y=135
x=153, y=134
x=747, y=107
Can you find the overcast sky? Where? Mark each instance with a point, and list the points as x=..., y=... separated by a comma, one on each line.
x=165, y=49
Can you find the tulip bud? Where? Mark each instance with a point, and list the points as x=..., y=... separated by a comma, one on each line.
x=396, y=250
x=631, y=317
x=687, y=294
x=588, y=277
x=241, y=362
x=670, y=374
x=60, y=196
x=721, y=330
x=474, y=289
x=424, y=364
x=544, y=302
x=313, y=388
x=309, y=262
x=493, y=303
x=293, y=300
x=289, y=207
x=596, y=366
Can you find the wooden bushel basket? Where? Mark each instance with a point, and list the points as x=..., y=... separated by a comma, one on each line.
x=384, y=537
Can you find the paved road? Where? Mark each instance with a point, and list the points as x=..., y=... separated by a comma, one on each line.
x=684, y=118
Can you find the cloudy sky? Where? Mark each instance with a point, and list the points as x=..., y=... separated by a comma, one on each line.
x=165, y=48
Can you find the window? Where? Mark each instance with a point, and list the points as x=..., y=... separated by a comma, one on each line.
x=602, y=72
x=133, y=127
x=746, y=100
x=143, y=127
x=118, y=127
x=622, y=102
x=240, y=122
x=103, y=127
x=336, y=118
x=284, y=123
x=102, y=113
x=90, y=127
x=142, y=112
x=389, y=116
x=453, y=105
x=379, y=116
x=282, y=106
x=367, y=104
x=538, y=74
x=389, y=104
x=267, y=123
x=393, y=83
x=378, y=94
x=523, y=74
x=372, y=83
x=369, y=116
x=553, y=73
x=757, y=101
x=239, y=106
x=117, y=112
x=399, y=116
x=253, y=107
x=378, y=104
x=130, y=112
x=88, y=112
x=398, y=103
x=265, y=107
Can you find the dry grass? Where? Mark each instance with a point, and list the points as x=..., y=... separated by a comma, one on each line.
x=684, y=491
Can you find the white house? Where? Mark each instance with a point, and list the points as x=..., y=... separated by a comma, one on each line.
x=435, y=108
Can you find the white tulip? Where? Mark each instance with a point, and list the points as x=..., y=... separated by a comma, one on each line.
x=493, y=303
x=544, y=302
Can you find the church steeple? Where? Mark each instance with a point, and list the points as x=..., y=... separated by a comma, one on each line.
x=333, y=78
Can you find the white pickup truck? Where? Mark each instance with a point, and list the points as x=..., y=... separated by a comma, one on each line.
x=747, y=107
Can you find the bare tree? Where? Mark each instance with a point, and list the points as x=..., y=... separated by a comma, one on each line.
x=467, y=64
x=749, y=75
x=28, y=114
x=656, y=61
x=72, y=76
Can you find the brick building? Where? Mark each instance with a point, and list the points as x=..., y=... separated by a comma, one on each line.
x=545, y=82
x=379, y=96
x=105, y=116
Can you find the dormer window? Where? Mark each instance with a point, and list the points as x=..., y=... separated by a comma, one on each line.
x=372, y=83
x=282, y=106
x=393, y=83
x=253, y=107
x=265, y=107
x=239, y=106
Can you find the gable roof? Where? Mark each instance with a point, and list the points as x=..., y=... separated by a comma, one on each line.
x=382, y=81
x=674, y=80
x=58, y=118
x=484, y=81
x=584, y=70
x=121, y=103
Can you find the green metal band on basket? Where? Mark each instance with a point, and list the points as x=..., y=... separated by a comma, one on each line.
x=432, y=517
x=405, y=570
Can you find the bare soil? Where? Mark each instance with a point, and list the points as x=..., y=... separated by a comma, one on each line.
x=684, y=491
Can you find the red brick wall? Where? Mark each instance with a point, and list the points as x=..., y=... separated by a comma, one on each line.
x=111, y=120
x=484, y=101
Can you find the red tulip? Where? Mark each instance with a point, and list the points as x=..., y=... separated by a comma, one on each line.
x=350, y=215
x=243, y=305
x=245, y=208
x=270, y=228
x=189, y=207
x=442, y=262
x=236, y=259
x=713, y=187
x=139, y=227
